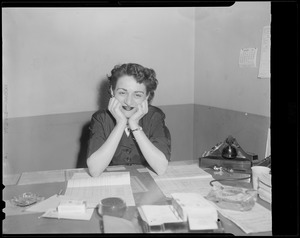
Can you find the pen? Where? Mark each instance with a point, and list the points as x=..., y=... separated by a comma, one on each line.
x=220, y=226
x=60, y=192
x=175, y=213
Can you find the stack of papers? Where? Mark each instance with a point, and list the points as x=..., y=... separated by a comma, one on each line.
x=199, y=212
x=186, y=207
x=53, y=213
x=181, y=172
x=183, y=179
x=93, y=189
x=157, y=215
x=258, y=219
x=50, y=176
x=265, y=187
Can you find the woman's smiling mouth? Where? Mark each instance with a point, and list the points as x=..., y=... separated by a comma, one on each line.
x=127, y=108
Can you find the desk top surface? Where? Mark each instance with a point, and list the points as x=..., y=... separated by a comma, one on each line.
x=32, y=224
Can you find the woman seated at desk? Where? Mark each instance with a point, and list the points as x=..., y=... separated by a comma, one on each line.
x=130, y=131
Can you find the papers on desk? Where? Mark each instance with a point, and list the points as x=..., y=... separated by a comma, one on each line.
x=183, y=178
x=48, y=204
x=181, y=172
x=50, y=208
x=192, y=185
x=200, y=213
x=10, y=179
x=191, y=207
x=36, y=177
x=156, y=215
x=53, y=213
x=109, y=184
x=115, y=168
x=69, y=173
x=258, y=219
x=43, y=206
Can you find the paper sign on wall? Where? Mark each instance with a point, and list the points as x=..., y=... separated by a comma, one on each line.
x=264, y=67
x=248, y=57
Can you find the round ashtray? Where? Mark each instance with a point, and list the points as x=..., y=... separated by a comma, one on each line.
x=26, y=199
x=112, y=206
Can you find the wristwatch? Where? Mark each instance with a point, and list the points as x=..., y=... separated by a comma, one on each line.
x=137, y=129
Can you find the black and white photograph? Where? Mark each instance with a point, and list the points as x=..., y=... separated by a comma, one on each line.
x=133, y=119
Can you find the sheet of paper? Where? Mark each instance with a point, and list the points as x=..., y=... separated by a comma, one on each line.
x=70, y=172
x=136, y=184
x=93, y=190
x=93, y=195
x=142, y=170
x=194, y=185
x=182, y=172
x=49, y=203
x=80, y=175
x=202, y=223
x=159, y=214
x=105, y=179
x=36, y=177
x=258, y=219
x=201, y=214
x=115, y=168
x=264, y=67
x=194, y=200
x=11, y=179
x=52, y=213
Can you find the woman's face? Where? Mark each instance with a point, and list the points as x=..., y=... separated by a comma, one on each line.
x=130, y=94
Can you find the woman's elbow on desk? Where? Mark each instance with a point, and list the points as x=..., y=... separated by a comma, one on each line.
x=94, y=174
x=92, y=171
x=162, y=169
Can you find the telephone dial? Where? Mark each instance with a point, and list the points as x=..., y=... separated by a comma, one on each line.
x=230, y=155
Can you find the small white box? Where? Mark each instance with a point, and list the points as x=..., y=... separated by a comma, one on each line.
x=72, y=206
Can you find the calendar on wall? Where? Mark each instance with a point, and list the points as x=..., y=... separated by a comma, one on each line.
x=248, y=57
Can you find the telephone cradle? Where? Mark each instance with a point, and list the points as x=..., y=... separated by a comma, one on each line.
x=229, y=155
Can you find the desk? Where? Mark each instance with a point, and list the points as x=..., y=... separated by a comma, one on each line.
x=31, y=224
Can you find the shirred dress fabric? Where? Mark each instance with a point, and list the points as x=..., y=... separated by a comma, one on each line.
x=128, y=152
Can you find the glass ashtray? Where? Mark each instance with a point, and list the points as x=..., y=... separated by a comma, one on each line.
x=26, y=199
x=233, y=198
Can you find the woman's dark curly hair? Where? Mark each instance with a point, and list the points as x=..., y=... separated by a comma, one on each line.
x=141, y=75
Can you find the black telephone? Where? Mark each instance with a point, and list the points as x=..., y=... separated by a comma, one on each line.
x=228, y=154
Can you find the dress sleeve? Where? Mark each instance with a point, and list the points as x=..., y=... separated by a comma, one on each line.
x=96, y=134
x=160, y=135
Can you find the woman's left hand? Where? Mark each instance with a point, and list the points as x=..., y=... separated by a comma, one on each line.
x=133, y=121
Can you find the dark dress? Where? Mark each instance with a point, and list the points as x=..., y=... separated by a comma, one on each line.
x=128, y=152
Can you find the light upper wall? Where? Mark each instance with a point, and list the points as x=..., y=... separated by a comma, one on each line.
x=220, y=34
x=56, y=58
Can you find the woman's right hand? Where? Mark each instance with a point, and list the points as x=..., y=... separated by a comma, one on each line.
x=114, y=106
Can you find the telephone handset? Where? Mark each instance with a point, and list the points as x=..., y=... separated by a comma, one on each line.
x=229, y=149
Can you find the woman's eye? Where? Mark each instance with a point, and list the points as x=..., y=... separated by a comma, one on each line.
x=121, y=93
x=138, y=95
